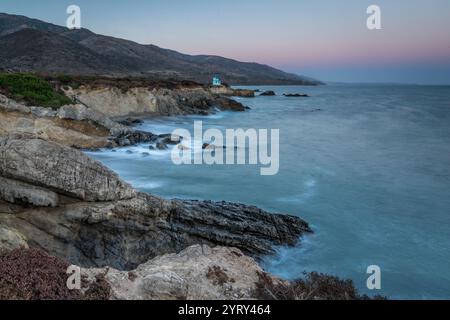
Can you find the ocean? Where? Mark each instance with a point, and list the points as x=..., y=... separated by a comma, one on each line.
x=368, y=166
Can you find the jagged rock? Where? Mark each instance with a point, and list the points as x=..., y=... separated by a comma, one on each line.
x=134, y=137
x=62, y=169
x=11, y=239
x=17, y=192
x=197, y=273
x=248, y=228
x=229, y=104
x=124, y=234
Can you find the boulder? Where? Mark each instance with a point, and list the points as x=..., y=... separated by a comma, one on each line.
x=61, y=169
x=196, y=273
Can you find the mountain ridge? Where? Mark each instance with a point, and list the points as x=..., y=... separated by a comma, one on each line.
x=32, y=45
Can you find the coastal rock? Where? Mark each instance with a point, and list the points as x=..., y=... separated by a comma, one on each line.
x=10, y=105
x=45, y=123
x=17, y=192
x=101, y=221
x=148, y=102
x=196, y=273
x=134, y=137
x=161, y=146
x=62, y=169
x=171, y=139
x=228, y=91
x=130, y=122
x=268, y=93
x=11, y=239
x=229, y=104
x=80, y=112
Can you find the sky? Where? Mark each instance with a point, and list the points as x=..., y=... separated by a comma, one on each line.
x=323, y=39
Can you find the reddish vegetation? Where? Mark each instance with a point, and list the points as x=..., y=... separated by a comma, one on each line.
x=34, y=275
x=315, y=286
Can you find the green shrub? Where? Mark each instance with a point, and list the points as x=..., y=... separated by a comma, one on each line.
x=31, y=90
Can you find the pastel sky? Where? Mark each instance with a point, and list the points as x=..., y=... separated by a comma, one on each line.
x=325, y=39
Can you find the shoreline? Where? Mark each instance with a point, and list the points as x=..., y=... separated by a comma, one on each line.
x=49, y=190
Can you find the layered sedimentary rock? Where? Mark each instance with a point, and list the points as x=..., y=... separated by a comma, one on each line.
x=101, y=221
x=150, y=101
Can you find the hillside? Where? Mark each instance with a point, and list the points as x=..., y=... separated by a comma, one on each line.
x=31, y=45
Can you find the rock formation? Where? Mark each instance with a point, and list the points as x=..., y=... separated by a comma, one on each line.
x=87, y=215
x=196, y=273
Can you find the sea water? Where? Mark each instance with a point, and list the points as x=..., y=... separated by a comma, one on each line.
x=368, y=166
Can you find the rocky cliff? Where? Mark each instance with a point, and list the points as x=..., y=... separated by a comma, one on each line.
x=90, y=123
x=55, y=198
x=118, y=103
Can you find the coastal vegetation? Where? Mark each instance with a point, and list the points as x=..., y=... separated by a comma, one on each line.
x=31, y=90
x=314, y=286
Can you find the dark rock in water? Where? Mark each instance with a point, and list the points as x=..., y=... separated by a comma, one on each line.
x=135, y=137
x=130, y=122
x=268, y=93
x=152, y=147
x=170, y=139
x=296, y=95
x=145, y=154
x=161, y=146
x=248, y=108
x=229, y=104
x=129, y=151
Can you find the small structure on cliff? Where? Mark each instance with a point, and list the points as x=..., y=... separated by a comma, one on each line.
x=216, y=82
